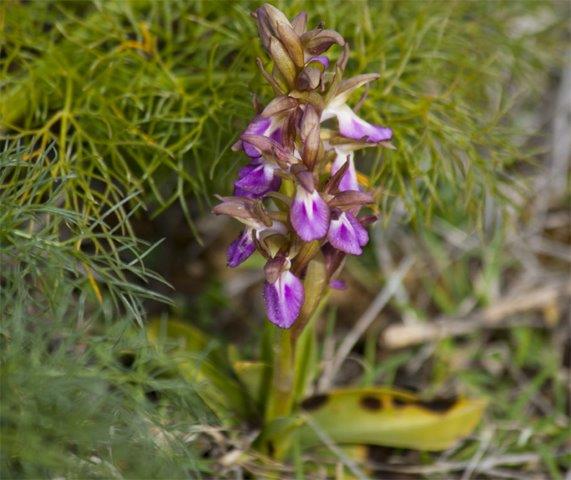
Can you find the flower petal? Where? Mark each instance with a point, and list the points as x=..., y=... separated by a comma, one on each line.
x=309, y=215
x=321, y=59
x=354, y=127
x=284, y=299
x=259, y=126
x=241, y=248
x=347, y=234
x=255, y=180
x=338, y=284
x=277, y=135
x=360, y=231
x=349, y=180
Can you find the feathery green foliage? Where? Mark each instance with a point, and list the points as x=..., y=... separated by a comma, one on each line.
x=78, y=380
x=37, y=233
x=149, y=95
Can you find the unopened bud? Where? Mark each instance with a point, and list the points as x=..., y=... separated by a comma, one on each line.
x=318, y=41
x=292, y=43
x=299, y=23
x=282, y=60
x=310, y=136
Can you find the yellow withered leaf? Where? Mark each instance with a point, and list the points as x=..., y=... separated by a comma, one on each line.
x=388, y=417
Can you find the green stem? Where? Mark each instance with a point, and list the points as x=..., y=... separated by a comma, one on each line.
x=280, y=396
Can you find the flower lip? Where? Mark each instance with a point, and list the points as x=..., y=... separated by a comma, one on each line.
x=256, y=179
x=309, y=215
x=354, y=127
x=283, y=298
x=241, y=248
x=346, y=233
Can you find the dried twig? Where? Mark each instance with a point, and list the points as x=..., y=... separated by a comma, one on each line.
x=487, y=437
x=553, y=183
x=397, y=336
x=330, y=444
x=485, y=465
x=364, y=323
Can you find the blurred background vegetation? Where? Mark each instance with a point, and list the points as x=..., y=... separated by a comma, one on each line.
x=116, y=119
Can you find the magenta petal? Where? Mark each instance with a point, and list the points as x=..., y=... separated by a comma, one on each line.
x=284, y=299
x=321, y=59
x=349, y=180
x=240, y=249
x=277, y=136
x=351, y=126
x=347, y=234
x=240, y=192
x=259, y=126
x=338, y=284
x=309, y=215
x=360, y=231
x=255, y=180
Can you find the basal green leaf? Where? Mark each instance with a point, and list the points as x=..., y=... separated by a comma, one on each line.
x=251, y=375
x=204, y=363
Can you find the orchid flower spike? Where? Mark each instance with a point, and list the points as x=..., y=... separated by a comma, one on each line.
x=300, y=183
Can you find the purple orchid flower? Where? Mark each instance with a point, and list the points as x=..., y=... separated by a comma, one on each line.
x=265, y=126
x=354, y=127
x=259, y=226
x=346, y=233
x=283, y=293
x=349, y=180
x=241, y=249
x=350, y=124
x=245, y=244
x=309, y=214
x=257, y=179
